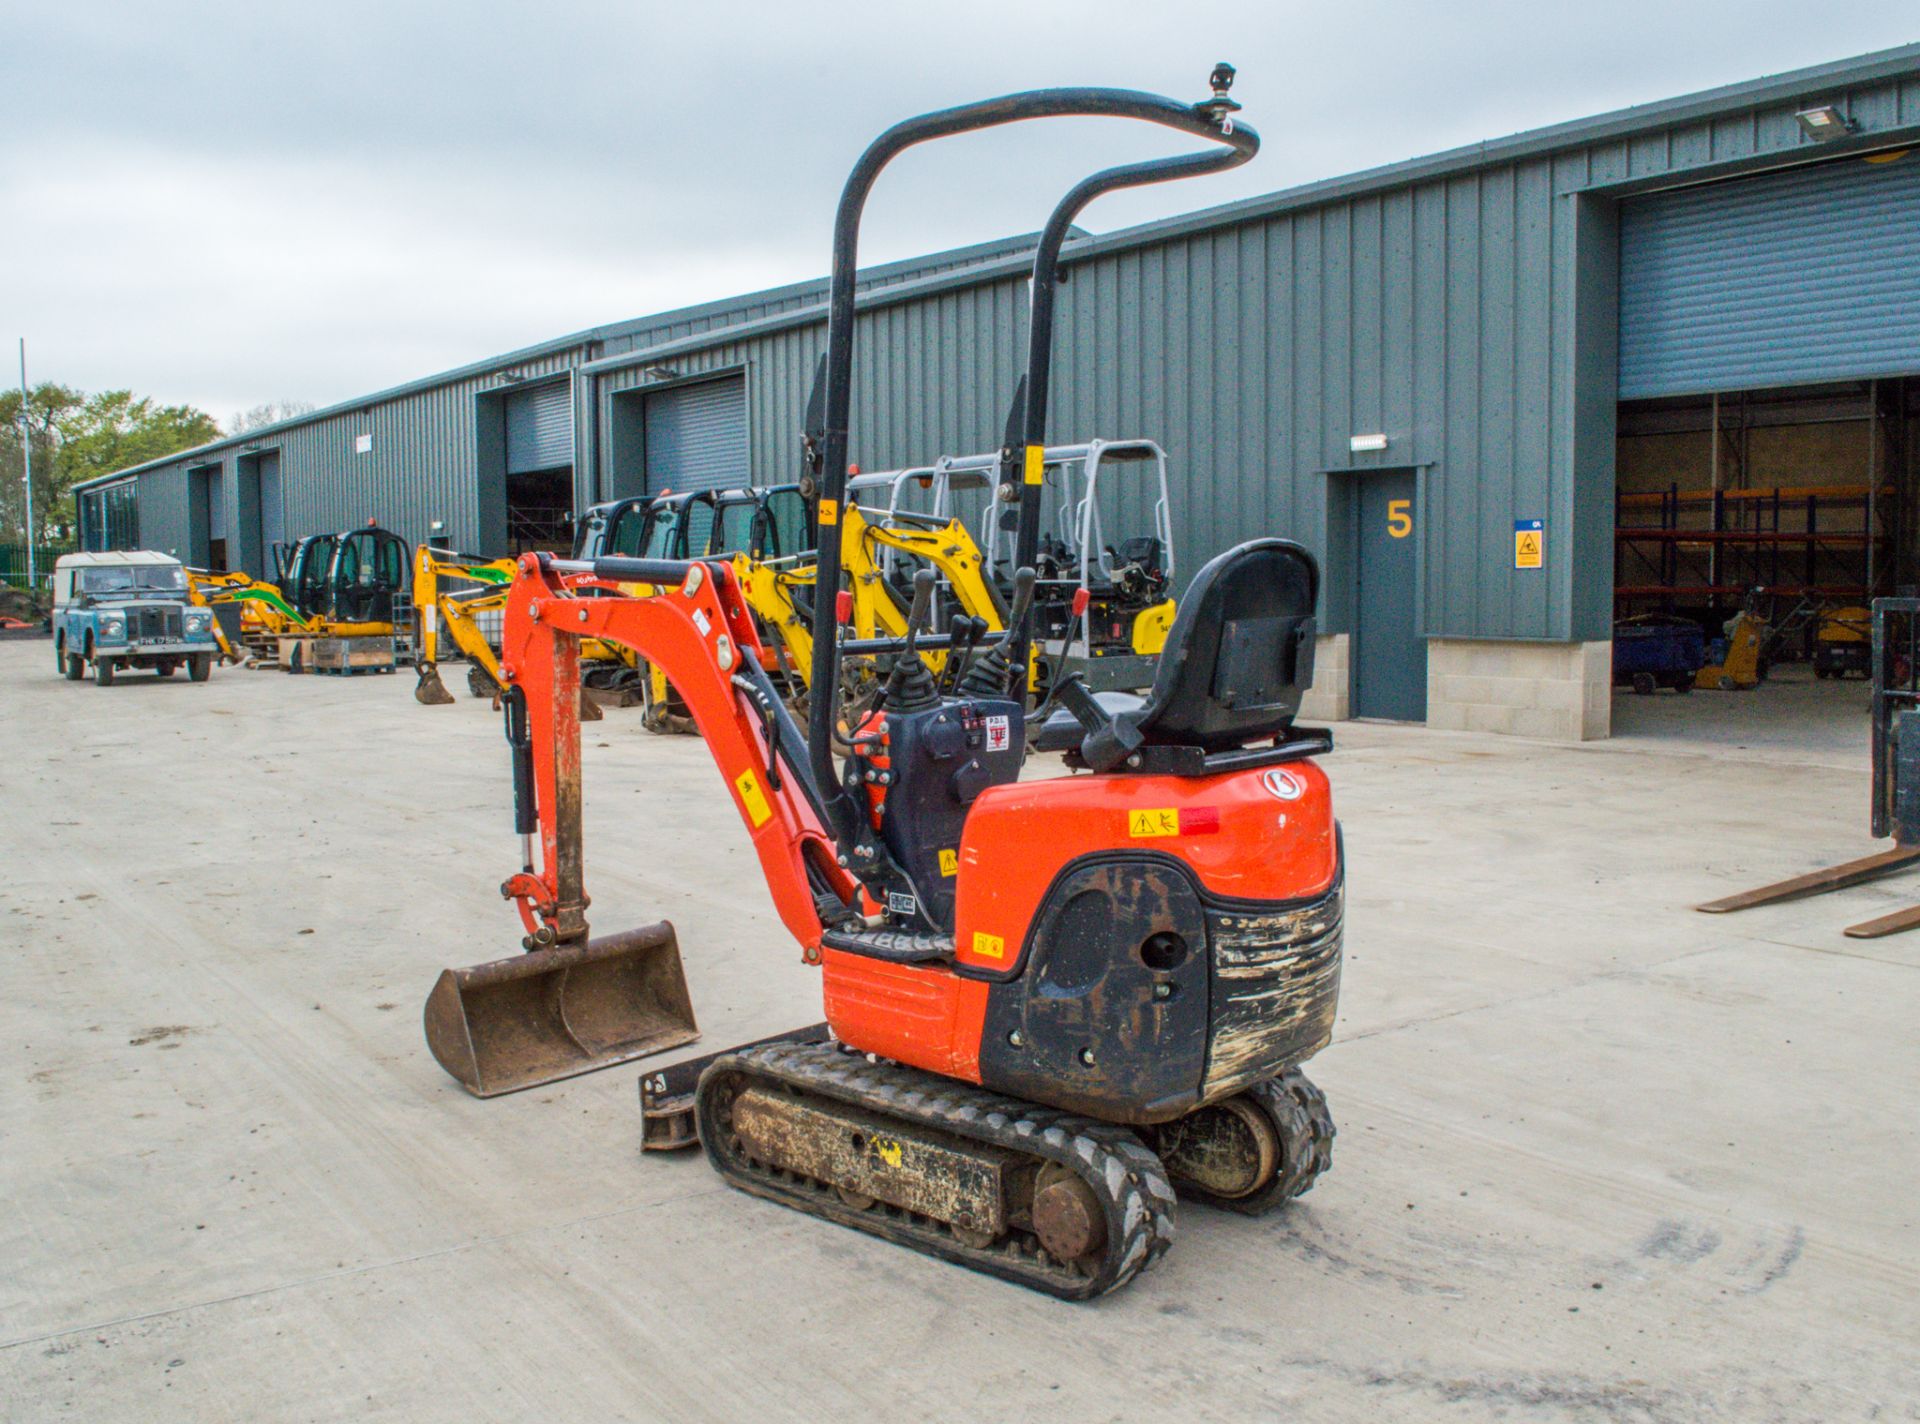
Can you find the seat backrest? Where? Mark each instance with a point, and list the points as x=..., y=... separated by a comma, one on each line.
x=1240, y=653
x=1146, y=551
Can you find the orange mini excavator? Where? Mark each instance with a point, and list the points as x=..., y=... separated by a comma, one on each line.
x=1051, y=1003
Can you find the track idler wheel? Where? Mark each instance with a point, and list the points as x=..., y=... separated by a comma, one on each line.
x=430, y=691
x=1255, y=1151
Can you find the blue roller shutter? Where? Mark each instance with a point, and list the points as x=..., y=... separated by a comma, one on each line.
x=697, y=437
x=1812, y=274
x=540, y=428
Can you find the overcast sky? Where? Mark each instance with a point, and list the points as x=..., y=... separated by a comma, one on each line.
x=236, y=203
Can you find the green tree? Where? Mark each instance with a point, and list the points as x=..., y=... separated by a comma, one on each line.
x=77, y=437
x=48, y=405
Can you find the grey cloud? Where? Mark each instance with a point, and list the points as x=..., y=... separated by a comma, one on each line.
x=237, y=203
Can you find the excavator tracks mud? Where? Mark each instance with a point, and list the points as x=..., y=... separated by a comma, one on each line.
x=1049, y=1199
x=1254, y=1152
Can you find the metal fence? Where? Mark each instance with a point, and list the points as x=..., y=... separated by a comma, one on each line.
x=13, y=563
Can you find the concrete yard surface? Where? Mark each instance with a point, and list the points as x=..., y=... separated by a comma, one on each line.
x=1600, y=1157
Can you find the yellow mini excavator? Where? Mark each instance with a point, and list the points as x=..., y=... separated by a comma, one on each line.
x=478, y=587
x=351, y=584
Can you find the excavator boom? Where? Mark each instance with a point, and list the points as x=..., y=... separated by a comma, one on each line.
x=518, y=1022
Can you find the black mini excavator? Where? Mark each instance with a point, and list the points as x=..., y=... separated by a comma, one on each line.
x=1050, y=1003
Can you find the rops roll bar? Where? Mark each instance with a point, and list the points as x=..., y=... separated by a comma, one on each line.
x=1211, y=119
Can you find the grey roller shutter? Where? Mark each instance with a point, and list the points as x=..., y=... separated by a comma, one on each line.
x=540, y=428
x=1807, y=275
x=273, y=521
x=697, y=437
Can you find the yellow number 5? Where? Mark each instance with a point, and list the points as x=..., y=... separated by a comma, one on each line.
x=1399, y=517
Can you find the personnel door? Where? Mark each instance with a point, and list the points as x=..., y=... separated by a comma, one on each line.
x=1390, y=656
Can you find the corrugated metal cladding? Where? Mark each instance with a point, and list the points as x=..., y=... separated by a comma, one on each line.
x=540, y=428
x=1467, y=307
x=1808, y=275
x=933, y=374
x=697, y=436
x=1442, y=313
x=273, y=513
x=163, y=512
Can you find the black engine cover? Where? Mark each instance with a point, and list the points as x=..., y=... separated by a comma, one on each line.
x=942, y=759
x=1138, y=996
x=1109, y=1014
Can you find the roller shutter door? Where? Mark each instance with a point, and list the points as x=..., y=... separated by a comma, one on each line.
x=540, y=428
x=697, y=437
x=273, y=520
x=1807, y=275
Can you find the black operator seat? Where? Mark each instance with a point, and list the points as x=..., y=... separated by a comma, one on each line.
x=1236, y=663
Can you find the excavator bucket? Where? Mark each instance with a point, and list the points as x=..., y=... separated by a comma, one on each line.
x=552, y=1013
x=430, y=690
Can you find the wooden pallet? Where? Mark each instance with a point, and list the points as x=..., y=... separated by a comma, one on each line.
x=346, y=656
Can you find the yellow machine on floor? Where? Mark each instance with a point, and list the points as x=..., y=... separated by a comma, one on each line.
x=330, y=586
x=481, y=588
x=451, y=591
x=875, y=550
x=246, y=612
x=1741, y=666
x=1843, y=642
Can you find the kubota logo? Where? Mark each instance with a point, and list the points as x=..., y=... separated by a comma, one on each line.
x=1284, y=784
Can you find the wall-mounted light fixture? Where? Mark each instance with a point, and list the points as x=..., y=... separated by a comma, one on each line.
x=1823, y=123
x=660, y=373
x=1366, y=444
x=437, y=525
x=511, y=378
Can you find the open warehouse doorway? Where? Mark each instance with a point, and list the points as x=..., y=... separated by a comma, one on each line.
x=539, y=448
x=1765, y=465
x=524, y=466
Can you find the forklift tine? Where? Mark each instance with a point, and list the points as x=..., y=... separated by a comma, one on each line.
x=1891, y=924
x=1818, y=882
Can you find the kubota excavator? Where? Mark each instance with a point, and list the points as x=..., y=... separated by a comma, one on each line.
x=1051, y=1002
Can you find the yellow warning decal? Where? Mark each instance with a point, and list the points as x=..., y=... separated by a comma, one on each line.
x=989, y=946
x=949, y=862
x=829, y=511
x=1036, y=464
x=753, y=798
x=888, y=1150
x=1529, y=543
x=1160, y=821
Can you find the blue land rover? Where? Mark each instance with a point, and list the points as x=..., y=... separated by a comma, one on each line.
x=128, y=609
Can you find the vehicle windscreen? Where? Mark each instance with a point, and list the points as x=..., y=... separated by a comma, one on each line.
x=733, y=527
x=784, y=525
x=133, y=579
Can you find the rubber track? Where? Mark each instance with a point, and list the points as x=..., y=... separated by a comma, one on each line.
x=1128, y=1179
x=1298, y=1110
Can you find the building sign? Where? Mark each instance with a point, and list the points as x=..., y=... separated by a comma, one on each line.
x=1529, y=543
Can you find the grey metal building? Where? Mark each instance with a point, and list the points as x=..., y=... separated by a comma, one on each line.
x=1465, y=381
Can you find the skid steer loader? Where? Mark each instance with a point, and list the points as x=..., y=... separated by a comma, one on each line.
x=1051, y=1003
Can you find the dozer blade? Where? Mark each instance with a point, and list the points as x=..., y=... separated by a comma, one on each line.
x=553, y=1013
x=429, y=690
